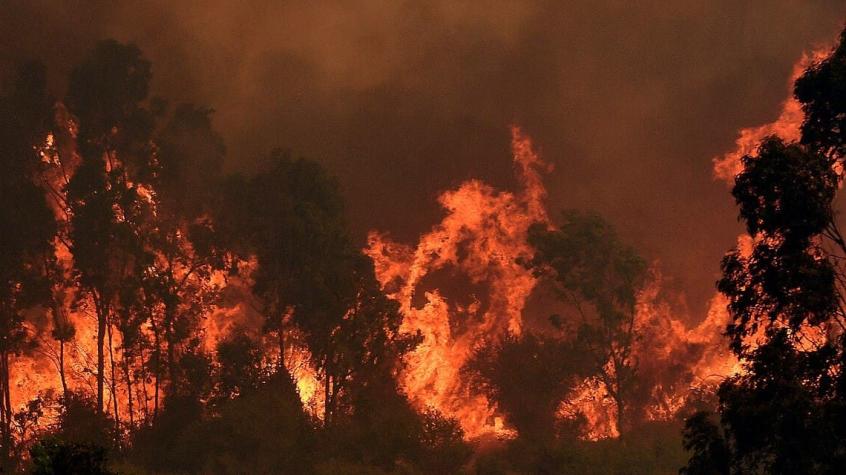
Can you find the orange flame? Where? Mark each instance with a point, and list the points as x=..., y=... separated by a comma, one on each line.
x=36, y=373
x=787, y=125
x=482, y=236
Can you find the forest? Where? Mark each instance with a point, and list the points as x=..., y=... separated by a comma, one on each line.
x=162, y=314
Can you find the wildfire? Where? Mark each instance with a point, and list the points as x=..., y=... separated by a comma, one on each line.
x=786, y=126
x=53, y=365
x=483, y=237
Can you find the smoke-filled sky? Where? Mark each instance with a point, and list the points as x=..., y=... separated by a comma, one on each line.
x=401, y=100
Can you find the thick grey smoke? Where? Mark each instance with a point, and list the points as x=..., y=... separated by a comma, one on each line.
x=629, y=100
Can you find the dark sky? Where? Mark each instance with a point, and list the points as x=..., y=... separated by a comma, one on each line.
x=401, y=100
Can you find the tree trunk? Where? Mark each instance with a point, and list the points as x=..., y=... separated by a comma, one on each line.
x=327, y=407
x=157, y=369
x=622, y=420
x=619, y=399
x=281, y=348
x=126, y=374
x=144, y=392
x=171, y=351
x=59, y=322
x=62, y=367
x=102, y=310
x=5, y=410
x=113, y=381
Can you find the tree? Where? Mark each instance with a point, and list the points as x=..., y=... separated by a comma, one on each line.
x=190, y=161
x=310, y=275
x=527, y=376
x=262, y=431
x=783, y=414
x=106, y=194
x=27, y=226
x=785, y=198
x=291, y=218
x=702, y=437
x=822, y=92
x=240, y=366
x=354, y=337
x=786, y=412
x=188, y=250
x=442, y=444
x=592, y=270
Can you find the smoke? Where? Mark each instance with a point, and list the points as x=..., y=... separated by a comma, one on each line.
x=402, y=100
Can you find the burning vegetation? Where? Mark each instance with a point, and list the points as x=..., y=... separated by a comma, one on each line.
x=161, y=315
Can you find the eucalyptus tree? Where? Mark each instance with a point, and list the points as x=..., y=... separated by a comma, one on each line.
x=592, y=270
x=107, y=197
x=787, y=301
x=27, y=227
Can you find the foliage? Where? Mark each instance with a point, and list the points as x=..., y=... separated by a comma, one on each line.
x=239, y=365
x=785, y=412
x=702, y=437
x=27, y=226
x=310, y=275
x=109, y=214
x=654, y=449
x=822, y=92
x=51, y=456
x=599, y=275
x=528, y=377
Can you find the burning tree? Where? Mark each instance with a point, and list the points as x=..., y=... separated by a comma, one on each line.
x=178, y=287
x=139, y=230
x=290, y=218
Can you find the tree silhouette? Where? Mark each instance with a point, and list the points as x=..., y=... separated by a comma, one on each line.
x=290, y=218
x=356, y=339
x=240, y=365
x=107, y=207
x=178, y=286
x=528, y=377
x=822, y=92
x=310, y=275
x=785, y=412
x=27, y=223
x=592, y=270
